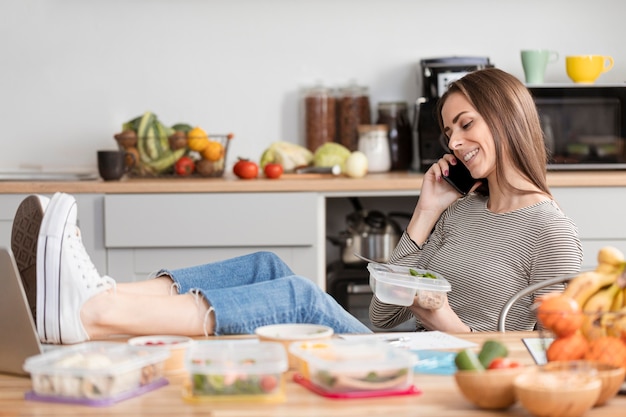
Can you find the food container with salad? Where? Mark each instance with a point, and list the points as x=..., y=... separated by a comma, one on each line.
x=399, y=285
x=352, y=366
x=236, y=371
x=95, y=373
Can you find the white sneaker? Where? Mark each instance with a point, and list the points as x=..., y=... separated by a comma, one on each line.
x=24, y=235
x=66, y=277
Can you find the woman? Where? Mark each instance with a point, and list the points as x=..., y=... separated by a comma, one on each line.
x=506, y=235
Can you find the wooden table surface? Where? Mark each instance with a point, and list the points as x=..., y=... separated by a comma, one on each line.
x=440, y=397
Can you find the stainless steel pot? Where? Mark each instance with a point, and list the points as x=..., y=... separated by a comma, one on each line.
x=369, y=233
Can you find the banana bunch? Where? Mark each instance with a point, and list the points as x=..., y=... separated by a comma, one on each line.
x=601, y=291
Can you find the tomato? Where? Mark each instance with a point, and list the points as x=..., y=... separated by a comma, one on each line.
x=246, y=169
x=268, y=383
x=503, y=363
x=273, y=170
x=185, y=166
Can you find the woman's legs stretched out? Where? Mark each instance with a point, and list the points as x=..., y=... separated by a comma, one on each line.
x=233, y=296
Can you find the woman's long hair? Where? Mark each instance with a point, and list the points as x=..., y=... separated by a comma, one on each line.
x=511, y=115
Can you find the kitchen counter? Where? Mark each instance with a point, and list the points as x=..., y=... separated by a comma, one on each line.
x=440, y=397
x=409, y=182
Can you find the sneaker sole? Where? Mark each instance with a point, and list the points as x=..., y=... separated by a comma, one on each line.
x=24, y=235
x=49, y=255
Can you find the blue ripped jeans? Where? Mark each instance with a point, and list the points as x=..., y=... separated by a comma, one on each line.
x=260, y=289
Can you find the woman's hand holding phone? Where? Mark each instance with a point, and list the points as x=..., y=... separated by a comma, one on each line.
x=460, y=178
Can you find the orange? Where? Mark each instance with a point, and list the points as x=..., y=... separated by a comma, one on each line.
x=197, y=139
x=570, y=348
x=560, y=314
x=214, y=151
x=608, y=349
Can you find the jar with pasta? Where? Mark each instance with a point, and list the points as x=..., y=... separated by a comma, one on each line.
x=319, y=117
x=353, y=109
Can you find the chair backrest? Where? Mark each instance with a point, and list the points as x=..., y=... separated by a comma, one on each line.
x=526, y=291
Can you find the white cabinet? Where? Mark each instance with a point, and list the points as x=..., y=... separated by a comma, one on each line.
x=146, y=232
x=129, y=236
x=599, y=214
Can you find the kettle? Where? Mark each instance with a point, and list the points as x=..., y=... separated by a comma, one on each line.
x=369, y=233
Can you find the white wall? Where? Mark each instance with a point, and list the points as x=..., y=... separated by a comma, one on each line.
x=72, y=71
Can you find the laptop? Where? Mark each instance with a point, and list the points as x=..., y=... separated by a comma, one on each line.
x=18, y=333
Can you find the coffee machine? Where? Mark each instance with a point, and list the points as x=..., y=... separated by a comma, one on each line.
x=436, y=75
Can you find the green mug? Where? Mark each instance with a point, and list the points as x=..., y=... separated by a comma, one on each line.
x=535, y=62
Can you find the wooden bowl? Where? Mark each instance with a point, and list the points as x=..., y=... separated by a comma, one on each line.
x=612, y=377
x=558, y=393
x=490, y=389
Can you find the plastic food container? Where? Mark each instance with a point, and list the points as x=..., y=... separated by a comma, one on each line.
x=176, y=345
x=288, y=333
x=236, y=370
x=95, y=373
x=341, y=366
x=403, y=284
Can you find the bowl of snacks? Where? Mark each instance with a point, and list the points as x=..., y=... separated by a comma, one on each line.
x=558, y=391
x=288, y=333
x=95, y=373
x=340, y=366
x=223, y=370
x=486, y=378
x=611, y=376
x=400, y=285
x=176, y=345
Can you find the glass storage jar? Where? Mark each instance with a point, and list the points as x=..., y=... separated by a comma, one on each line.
x=319, y=117
x=395, y=116
x=374, y=144
x=353, y=109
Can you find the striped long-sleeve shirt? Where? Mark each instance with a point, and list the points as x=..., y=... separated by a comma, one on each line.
x=487, y=258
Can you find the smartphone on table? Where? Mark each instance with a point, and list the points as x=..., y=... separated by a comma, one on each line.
x=460, y=178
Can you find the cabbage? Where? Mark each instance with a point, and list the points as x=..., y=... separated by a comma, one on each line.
x=289, y=155
x=330, y=154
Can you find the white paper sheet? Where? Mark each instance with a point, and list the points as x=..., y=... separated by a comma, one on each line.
x=417, y=340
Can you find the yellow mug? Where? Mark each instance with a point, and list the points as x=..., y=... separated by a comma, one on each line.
x=587, y=68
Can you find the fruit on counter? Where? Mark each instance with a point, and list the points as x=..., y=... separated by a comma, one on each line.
x=131, y=157
x=568, y=348
x=330, y=154
x=246, y=169
x=356, y=165
x=491, y=350
x=607, y=349
x=197, y=139
x=467, y=360
x=287, y=154
x=185, y=166
x=126, y=138
x=178, y=140
x=593, y=304
x=214, y=151
x=273, y=171
x=182, y=127
x=152, y=144
x=560, y=313
x=503, y=363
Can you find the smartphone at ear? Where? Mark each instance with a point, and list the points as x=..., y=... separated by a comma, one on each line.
x=460, y=178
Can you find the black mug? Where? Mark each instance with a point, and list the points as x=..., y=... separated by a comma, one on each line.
x=112, y=165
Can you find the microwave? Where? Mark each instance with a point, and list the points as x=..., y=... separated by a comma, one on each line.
x=584, y=126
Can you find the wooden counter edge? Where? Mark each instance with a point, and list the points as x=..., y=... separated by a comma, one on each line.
x=406, y=182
